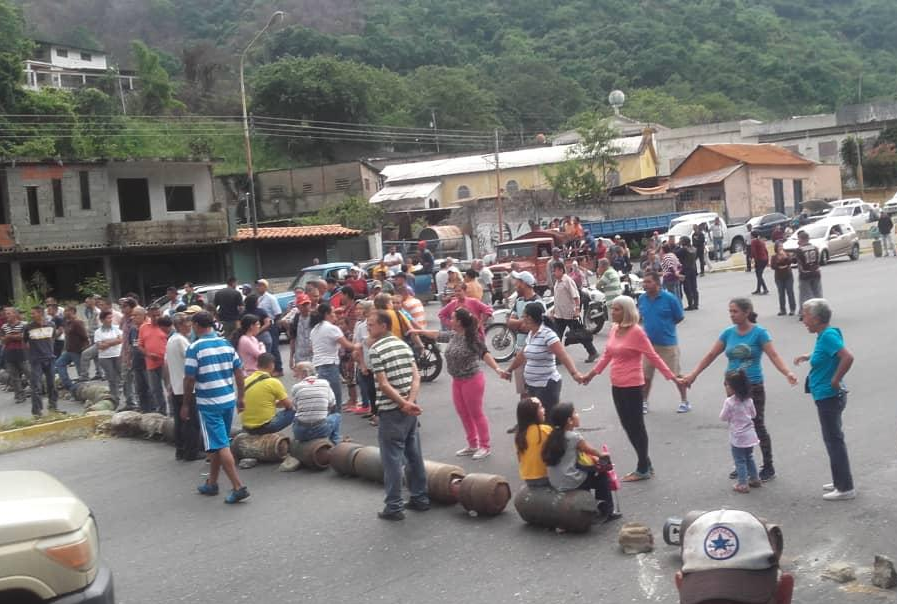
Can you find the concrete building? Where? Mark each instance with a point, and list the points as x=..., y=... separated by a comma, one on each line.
x=815, y=137
x=742, y=181
x=55, y=65
x=445, y=183
x=298, y=191
x=144, y=224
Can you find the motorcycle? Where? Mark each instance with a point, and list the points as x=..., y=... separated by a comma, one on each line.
x=428, y=359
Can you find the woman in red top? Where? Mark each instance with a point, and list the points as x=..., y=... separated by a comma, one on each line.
x=761, y=260
x=626, y=345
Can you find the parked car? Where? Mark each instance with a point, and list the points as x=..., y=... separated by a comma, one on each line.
x=832, y=237
x=206, y=295
x=890, y=206
x=735, y=236
x=767, y=223
x=49, y=547
x=859, y=215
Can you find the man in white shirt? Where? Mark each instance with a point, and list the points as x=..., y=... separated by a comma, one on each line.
x=268, y=303
x=485, y=279
x=441, y=279
x=108, y=339
x=186, y=433
x=393, y=261
x=567, y=307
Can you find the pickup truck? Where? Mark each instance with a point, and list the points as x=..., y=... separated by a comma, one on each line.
x=532, y=252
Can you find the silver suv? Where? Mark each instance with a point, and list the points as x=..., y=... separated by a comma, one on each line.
x=49, y=549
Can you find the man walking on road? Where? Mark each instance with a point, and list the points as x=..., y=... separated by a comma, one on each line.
x=661, y=311
x=398, y=383
x=14, y=351
x=213, y=388
x=885, y=226
x=809, y=278
x=40, y=335
x=567, y=307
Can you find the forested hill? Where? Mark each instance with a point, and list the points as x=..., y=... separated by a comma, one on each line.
x=541, y=61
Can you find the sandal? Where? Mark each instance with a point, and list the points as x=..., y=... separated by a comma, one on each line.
x=636, y=476
x=741, y=488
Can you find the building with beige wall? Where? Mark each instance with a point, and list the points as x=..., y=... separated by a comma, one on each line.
x=742, y=181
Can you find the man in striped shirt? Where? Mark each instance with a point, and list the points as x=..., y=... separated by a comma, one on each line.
x=211, y=371
x=316, y=413
x=398, y=383
x=414, y=307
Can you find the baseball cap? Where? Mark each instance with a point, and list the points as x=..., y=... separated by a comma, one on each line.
x=728, y=555
x=376, y=284
x=525, y=276
x=302, y=298
x=192, y=310
x=262, y=282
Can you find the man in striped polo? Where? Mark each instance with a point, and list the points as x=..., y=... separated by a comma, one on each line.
x=211, y=370
x=398, y=383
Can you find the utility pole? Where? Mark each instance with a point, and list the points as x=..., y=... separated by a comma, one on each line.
x=433, y=126
x=501, y=222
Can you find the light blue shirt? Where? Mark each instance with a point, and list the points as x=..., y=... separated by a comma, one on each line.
x=745, y=351
x=269, y=304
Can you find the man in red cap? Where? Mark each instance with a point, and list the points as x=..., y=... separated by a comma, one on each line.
x=426, y=258
x=729, y=557
x=300, y=331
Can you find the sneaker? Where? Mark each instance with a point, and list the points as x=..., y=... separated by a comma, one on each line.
x=207, y=489
x=781, y=313
x=399, y=515
x=733, y=474
x=512, y=429
x=684, y=407
x=767, y=474
x=237, y=495
x=828, y=487
x=755, y=483
x=482, y=453
x=417, y=506
x=837, y=495
x=466, y=452
x=644, y=407
x=360, y=410
x=592, y=358
x=791, y=313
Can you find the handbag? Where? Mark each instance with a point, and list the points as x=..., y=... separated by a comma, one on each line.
x=577, y=334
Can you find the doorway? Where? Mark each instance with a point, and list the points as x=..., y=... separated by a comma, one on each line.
x=133, y=199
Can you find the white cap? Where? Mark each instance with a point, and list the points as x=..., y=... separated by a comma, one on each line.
x=525, y=276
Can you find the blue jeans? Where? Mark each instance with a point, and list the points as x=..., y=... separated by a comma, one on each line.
x=331, y=374
x=367, y=388
x=270, y=338
x=42, y=369
x=281, y=420
x=329, y=428
x=744, y=464
x=400, y=446
x=718, y=248
x=62, y=367
x=157, y=390
x=830, y=410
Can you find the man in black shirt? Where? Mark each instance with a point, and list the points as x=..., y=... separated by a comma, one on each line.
x=885, y=226
x=229, y=306
x=699, y=240
x=40, y=334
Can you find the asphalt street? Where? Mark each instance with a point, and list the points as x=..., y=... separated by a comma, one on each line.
x=315, y=536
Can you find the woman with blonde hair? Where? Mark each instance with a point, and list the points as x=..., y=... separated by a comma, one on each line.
x=626, y=345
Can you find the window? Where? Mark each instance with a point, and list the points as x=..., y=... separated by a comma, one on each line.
x=134, y=199
x=85, y=189
x=342, y=184
x=778, y=194
x=179, y=198
x=33, y=213
x=58, y=206
x=828, y=149
x=61, y=52
x=86, y=56
x=512, y=186
x=687, y=195
x=307, y=188
x=463, y=192
x=367, y=184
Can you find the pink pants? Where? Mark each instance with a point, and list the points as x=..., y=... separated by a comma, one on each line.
x=468, y=396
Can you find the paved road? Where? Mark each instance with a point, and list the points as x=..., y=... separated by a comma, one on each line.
x=311, y=537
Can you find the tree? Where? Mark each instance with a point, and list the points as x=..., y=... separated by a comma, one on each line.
x=156, y=91
x=455, y=95
x=851, y=150
x=584, y=175
x=14, y=48
x=352, y=212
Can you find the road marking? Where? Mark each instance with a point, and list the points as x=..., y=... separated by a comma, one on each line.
x=648, y=575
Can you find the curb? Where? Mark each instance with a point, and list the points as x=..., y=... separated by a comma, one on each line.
x=52, y=432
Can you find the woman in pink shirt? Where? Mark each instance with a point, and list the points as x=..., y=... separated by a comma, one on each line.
x=248, y=347
x=626, y=345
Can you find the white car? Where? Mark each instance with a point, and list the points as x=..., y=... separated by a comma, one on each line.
x=890, y=206
x=859, y=215
x=832, y=238
x=206, y=293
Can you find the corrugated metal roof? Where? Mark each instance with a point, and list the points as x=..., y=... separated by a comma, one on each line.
x=707, y=178
x=297, y=232
x=523, y=158
x=760, y=154
x=417, y=190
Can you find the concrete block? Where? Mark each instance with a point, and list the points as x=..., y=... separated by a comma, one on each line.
x=839, y=572
x=883, y=573
x=636, y=538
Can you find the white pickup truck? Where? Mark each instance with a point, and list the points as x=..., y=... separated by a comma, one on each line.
x=735, y=236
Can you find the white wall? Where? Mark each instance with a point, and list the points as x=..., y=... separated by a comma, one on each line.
x=159, y=176
x=74, y=61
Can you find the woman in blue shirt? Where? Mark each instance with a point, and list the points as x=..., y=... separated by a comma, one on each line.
x=829, y=362
x=744, y=343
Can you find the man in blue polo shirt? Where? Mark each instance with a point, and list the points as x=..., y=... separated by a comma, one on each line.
x=211, y=370
x=661, y=311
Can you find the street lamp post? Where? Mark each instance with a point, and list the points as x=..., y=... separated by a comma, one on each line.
x=275, y=18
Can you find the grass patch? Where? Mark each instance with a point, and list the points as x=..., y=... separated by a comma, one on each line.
x=25, y=422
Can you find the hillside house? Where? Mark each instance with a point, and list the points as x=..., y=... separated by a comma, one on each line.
x=55, y=65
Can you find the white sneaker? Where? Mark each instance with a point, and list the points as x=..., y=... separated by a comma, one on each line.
x=684, y=407
x=465, y=452
x=837, y=495
x=828, y=487
x=644, y=407
x=482, y=453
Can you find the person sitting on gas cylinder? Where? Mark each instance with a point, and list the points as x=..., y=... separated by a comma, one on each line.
x=317, y=415
x=262, y=396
